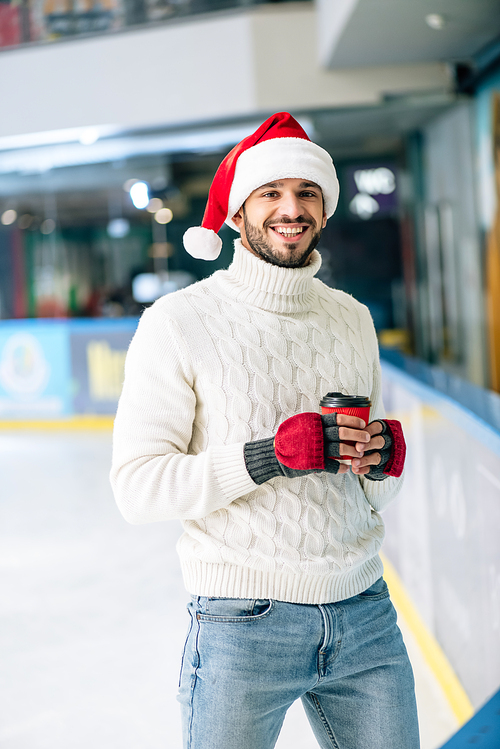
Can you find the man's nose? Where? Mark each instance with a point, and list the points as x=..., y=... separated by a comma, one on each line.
x=290, y=205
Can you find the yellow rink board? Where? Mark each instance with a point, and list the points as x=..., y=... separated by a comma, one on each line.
x=77, y=423
x=429, y=646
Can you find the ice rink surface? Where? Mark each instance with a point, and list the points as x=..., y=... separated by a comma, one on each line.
x=93, y=615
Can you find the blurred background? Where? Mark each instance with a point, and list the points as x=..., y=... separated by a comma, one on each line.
x=114, y=117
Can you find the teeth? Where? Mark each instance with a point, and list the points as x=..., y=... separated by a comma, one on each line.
x=289, y=232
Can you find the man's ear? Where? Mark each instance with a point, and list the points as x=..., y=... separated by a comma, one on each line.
x=324, y=220
x=238, y=218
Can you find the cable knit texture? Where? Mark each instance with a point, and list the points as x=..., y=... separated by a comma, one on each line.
x=222, y=363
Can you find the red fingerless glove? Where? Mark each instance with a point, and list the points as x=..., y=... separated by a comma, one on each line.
x=299, y=443
x=296, y=450
x=396, y=462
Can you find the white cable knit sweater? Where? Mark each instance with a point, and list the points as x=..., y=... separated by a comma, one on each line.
x=224, y=362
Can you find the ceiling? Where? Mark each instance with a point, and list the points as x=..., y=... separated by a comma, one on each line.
x=385, y=32
x=84, y=176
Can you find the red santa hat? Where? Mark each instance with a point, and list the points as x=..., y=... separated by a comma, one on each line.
x=278, y=149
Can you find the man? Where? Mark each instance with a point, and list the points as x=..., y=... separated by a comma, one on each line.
x=219, y=426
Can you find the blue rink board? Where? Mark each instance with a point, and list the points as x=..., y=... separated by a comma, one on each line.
x=482, y=730
x=46, y=370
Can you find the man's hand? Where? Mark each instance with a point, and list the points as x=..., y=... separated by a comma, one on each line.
x=310, y=443
x=364, y=437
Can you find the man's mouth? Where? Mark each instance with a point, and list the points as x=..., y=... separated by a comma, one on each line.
x=289, y=232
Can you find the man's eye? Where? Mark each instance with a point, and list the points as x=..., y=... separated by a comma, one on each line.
x=307, y=194
x=269, y=194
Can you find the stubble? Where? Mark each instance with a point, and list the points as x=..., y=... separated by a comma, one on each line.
x=259, y=243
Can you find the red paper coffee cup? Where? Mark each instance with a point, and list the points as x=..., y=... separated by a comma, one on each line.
x=352, y=405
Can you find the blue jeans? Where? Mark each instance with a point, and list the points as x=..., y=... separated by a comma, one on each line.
x=246, y=661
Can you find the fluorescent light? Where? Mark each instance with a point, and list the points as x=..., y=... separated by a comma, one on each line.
x=61, y=148
x=89, y=136
x=52, y=137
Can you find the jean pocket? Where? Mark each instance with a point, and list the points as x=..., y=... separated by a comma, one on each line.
x=233, y=609
x=376, y=592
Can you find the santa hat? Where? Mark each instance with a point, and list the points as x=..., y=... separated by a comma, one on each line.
x=278, y=149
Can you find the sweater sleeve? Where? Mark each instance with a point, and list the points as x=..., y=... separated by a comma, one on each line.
x=153, y=476
x=378, y=493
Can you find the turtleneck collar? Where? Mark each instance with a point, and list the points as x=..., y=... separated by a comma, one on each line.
x=251, y=280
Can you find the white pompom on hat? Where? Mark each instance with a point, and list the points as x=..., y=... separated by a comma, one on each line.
x=278, y=149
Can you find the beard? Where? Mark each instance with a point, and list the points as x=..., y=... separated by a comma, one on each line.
x=296, y=258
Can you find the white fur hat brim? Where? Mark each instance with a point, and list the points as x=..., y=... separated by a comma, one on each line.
x=283, y=158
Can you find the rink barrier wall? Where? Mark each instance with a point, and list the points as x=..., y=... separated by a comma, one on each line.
x=59, y=369
x=72, y=423
x=430, y=649
x=442, y=532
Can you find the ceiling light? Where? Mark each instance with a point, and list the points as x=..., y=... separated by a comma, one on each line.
x=139, y=194
x=128, y=184
x=146, y=287
x=164, y=216
x=154, y=205
x=363, y=205
x=118, y=228
x=8, y=217
x=435, y=21
x=48, y=226
x=25, y=221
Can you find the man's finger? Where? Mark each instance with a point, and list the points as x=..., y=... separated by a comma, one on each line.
x=365, y=462
x=376, y=443
x=354, y=435
x=374, y=427
x=335, y=449
x=350, y=421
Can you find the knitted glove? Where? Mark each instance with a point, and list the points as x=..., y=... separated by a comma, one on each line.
x=392, y=455
x=300, y=446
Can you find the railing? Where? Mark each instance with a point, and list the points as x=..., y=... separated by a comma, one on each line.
x=27, y=21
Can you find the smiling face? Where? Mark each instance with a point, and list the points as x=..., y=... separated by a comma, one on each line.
x=281, y=222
